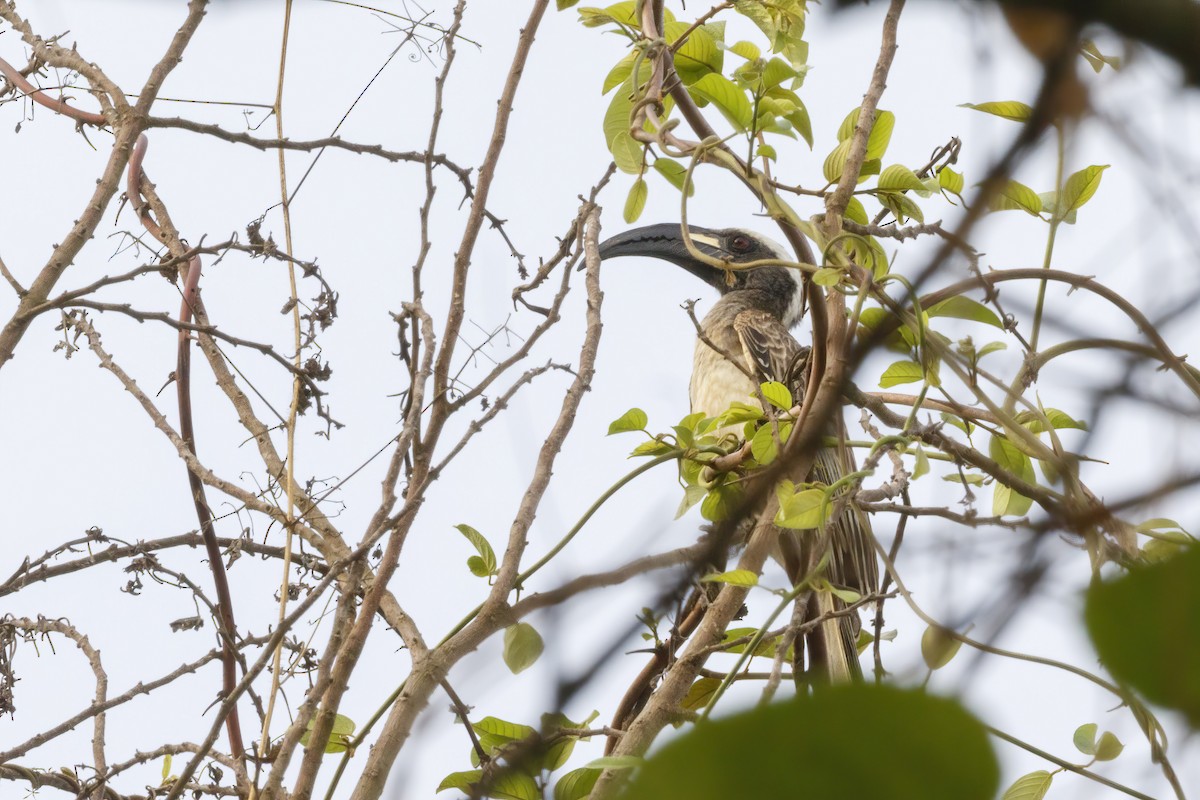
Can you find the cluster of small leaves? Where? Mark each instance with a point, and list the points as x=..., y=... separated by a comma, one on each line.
x=699, y=440
x=758, y=96
x=1052, y=206
x=519, y=759
x=1036, y=784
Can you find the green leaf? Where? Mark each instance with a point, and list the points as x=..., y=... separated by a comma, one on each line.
x=901, y=372
x=857, y=212
x=564, y=4
x=766, y=151
x=727, y=97
x=746, y=50
x=938, y=647
x=1109, y=747
x=483, y=565
x=740, y=412
x=970, y=479
x=827, y=276
x=736, y=577
x=675, y=173
x=1085, y=738
x=835, y=162
x=1080, y=187
x=964, y=425
x=920, y=463
x=777, y=395
x=720, y=502
x=166, y=767
x=495, y=733
x=1146, y=628
x=620, y=73
x=901, y=205
x=897, y=178
x=339, y=734
x=950, y=180
x=522, y=647
x=632, y=420
x=876, y=741
x=699, y=693
x=1030, y=787
x=698, y=56
x=654, y=447
x=511, y=784
x=1008, y=109
x=804, y=510
x=766, y=647
x=576, y=784
x=1017, y=197
x=776, y=72
x=627, y=153
x=463, y=781
x=1057, y=419
x=960, y=307
x=764, y=446
x=635, y=203
x=1159, y=524
x=620, y=109
x=1004, y=500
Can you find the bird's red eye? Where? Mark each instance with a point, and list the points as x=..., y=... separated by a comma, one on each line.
x=740, y=244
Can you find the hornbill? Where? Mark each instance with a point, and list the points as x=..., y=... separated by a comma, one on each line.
x=750, y=324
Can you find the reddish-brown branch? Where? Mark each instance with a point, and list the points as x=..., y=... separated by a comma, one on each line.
x=40, y=97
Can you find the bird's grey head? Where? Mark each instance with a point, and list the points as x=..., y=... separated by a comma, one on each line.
x=777, y=289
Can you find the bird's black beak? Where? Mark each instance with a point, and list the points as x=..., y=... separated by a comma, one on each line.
x=665, y=241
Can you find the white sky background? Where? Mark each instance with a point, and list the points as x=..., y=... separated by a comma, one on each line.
x=79, y=453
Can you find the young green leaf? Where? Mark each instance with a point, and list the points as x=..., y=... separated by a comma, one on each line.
x=1109, y=747
x=803, y=510
x=1008, y=109
x=675, y=173
x=576, y=784
x=727, y=97
x=635, y=203
x=736, y=577
x=898, y=178
x=1080, y=187
x=699, y=693
x=1004, y=500
x=938, y=647
x=1030, y=787
x=1017, y=196
x=950, y=180
x=632, y=420
x=1084, y=738
x=777, y=395
x=901, y=372
x=522, y=646
x=339, y=734
x=484, y=564
x=960, y=307
x=463, y=781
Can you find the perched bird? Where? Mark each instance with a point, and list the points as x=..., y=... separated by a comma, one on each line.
x=750, y=325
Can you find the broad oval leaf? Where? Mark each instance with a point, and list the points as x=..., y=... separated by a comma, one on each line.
x=901, y=372
x=339, y=734
x=576, y=784
x=1016, y=196
x=486, y=564
x=777, y=395
x=727, y=97
x=460, y=780
x=898, y=178
x=803, y=510
x=522, y=646
x=1004, y=500
x=847, y=741
x=635, y=203
x=1146, y=628
x=632, y=420
x=1030, y=787
x=938, y=647
x=1084, y=738
x=950, y=180
x=675, y=173
x=1080, y=187
x=961, y=307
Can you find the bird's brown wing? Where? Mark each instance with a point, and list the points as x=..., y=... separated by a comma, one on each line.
x=773, y=354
